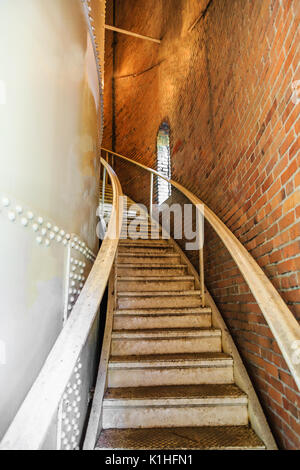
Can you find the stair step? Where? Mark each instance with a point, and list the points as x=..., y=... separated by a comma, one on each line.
x=138, y=224
x=139, y=236
x=161, y=341
x=174, y=283
x=147, y=258
x=170, y=369
x=149, y=250
x=140, y=322
x=136, y=220
x=173, y=406
x=140, y=229
x=164, y=311
x=138, y=217
x=138, y=243
x=185, y=438
x=136, y=269
x=162, y=318
x=152, y=236
x=164, y=299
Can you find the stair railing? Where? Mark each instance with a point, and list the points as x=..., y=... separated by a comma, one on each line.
x=32, y=423
x=280, y=319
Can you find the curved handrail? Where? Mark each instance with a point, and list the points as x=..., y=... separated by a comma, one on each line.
x=30, y=425
x=280, y=319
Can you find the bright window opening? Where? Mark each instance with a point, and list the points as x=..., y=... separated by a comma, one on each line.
x=163, y=163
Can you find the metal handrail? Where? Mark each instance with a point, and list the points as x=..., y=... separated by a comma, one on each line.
x=280, y=319
x=31, y=424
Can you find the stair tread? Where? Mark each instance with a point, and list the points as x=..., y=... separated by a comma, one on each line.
x=143, y=244
x=165, y=311
x=138, y=224
x=140, y=228
x=152, y=265
x=185, y=357
x=171, y=312
x=200, y=438
x=160, y=293
x=161, y=242
x=167, y=333
x=155, y=278
x=203, y=391
x=129, y=254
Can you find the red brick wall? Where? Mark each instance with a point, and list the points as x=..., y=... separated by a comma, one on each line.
x=225, y=87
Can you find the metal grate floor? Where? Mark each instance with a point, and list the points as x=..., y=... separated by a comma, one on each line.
x=202, y=438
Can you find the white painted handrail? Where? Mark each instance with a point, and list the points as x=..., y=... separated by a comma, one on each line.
x=31, y=424
x=280, y=319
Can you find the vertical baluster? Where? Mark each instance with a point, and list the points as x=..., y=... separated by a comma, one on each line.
x=201, y=258
x=103, y=189
x=151, y=194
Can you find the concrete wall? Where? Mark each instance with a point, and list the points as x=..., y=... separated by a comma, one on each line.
x=48, y=178
x=223, y=78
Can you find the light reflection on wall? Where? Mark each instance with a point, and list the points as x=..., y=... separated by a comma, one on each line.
x=163, y=163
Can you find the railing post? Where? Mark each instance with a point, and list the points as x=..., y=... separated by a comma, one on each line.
x=151, y=194
x=106, y=172
x=201, y=258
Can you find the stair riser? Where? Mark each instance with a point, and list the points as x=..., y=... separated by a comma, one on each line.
x=146, y=250
x=152, y=286
x=140, y=236
x=136, y=218
x=172, y=416
x=140, y=230
x=144, y=237
x=149, y=259
x=135, y=322
x=165, y=346
x=169, y=376
x=150, y=271
x=159, y=302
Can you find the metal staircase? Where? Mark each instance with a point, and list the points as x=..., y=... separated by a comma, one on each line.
x=169, y=384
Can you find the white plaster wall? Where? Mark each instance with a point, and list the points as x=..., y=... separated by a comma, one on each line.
x=48, y=135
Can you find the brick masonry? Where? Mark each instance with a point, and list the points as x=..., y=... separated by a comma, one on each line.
x=224, y=83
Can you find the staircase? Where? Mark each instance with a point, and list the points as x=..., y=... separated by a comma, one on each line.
x=169, y=385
